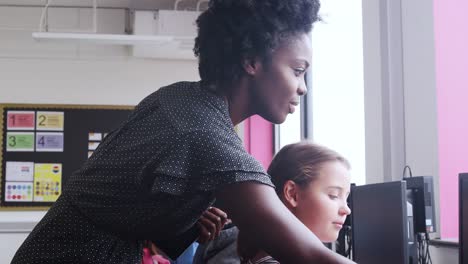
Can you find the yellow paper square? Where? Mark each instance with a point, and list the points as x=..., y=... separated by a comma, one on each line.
x=47, y=182
x=46, y=120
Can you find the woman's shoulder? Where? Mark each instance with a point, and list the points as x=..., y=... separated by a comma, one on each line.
x=182, y=89
x=180, y=85
x=174, y=90
x=152, y=100
x=187, y=107
x=189, y=99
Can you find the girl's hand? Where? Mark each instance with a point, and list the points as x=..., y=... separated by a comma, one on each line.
x=211, y=223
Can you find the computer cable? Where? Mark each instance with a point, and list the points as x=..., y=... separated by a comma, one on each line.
x=407, y=167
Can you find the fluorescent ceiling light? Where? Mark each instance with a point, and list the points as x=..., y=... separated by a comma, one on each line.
x=112, y=39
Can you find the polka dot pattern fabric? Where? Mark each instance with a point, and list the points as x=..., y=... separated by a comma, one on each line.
x=150, y=179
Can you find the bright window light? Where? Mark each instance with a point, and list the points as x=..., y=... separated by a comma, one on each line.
x=338, y=83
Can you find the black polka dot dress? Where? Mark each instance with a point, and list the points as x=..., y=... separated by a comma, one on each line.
x=151, y=179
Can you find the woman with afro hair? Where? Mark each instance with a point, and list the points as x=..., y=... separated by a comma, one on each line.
x=156, y=176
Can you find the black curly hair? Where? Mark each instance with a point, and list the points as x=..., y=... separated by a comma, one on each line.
x=230, y=31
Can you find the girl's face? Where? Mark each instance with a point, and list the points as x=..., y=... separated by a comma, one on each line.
x=275, y=86
x=321, y=205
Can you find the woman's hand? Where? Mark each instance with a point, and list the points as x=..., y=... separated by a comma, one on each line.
x=211, y=223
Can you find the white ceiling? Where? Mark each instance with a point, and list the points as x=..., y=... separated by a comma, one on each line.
x=133, y=4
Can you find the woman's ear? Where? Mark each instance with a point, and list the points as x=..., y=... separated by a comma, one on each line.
x=251, y=65
x=290, y=194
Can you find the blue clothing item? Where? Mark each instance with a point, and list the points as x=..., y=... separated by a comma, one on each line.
x=187, y=256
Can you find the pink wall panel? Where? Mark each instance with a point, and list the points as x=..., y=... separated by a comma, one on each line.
x=451, y=45
x=258, y=138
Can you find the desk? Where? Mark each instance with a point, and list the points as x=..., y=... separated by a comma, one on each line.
x=446, y=242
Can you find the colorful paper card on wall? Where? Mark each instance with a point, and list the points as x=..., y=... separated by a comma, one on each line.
x=94, y=136
x=20, y=141
x=93, y=145
x=49, y=121
x=18, y=191
x=49, y=141
x=47, y=182
x=19, y=171
x=20, y=120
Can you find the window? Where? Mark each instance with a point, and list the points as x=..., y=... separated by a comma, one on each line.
x=337, y=83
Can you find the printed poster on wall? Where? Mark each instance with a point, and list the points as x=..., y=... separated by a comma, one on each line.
x=47, y=120
x=19, y=181
x=18, y=191
x=39, y=153
x=93, y=136
x=20, y=141
x=20, y=120
x=47, y=182
x=49, y=141
x=19, y=171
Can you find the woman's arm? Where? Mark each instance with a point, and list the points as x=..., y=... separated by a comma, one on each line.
x=256, y=210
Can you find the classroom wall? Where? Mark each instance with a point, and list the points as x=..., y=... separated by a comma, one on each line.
x=414, y=53
x=86, y=74
x=402, y=97
x=420, y=95
x=70, y=74
x=63, y=73
x=451, y=31
x=433, y=38
x=400, y=90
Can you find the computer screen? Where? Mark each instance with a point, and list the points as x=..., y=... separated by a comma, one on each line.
x=463, y=217
x=380, y=223
x=422, y=199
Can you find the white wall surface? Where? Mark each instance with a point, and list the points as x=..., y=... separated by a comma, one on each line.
x=400, y=91
x=420, y=95
x=400, y=96
x=9, y=243
x=33, y=72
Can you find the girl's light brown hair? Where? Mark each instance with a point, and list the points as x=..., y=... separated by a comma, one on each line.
x=301, y=163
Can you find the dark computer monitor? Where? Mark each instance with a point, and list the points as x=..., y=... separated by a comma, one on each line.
x=380, y=223
x=463, y=217
x=421, y=197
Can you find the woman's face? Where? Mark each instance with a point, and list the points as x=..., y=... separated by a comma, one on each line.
x=277, y=85
x=321, y=205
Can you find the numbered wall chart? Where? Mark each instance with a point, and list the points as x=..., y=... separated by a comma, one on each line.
x=26, y=181
x=42, y=145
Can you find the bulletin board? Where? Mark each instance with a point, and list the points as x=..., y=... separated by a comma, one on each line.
x=42, y=145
